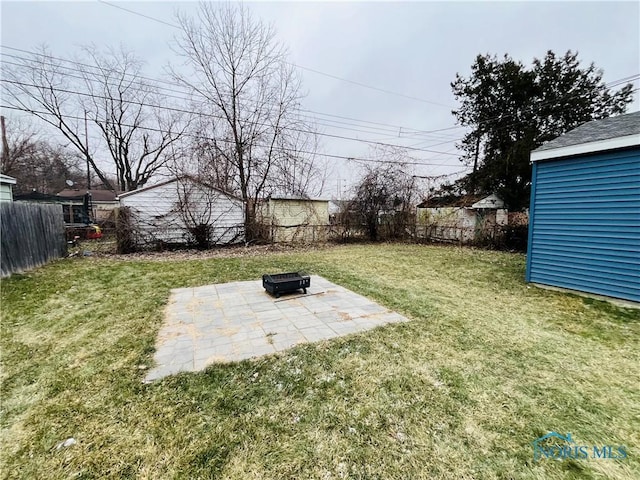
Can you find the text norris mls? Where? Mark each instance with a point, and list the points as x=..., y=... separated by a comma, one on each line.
x=566, y=448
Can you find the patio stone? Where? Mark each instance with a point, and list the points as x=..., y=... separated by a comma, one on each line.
x=286, y=340
x=267, y=316
x=236, y=321
x=314, y=334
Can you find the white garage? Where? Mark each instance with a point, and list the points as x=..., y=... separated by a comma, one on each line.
x=183, y=211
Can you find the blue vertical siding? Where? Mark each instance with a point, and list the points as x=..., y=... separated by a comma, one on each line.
x=584, y=228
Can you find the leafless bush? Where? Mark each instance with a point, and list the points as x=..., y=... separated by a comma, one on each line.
x=383, y=201
x=125, y=231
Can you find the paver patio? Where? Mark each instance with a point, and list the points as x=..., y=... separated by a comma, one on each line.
x=234, y=321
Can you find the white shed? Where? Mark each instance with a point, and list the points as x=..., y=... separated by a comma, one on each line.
x=295, y=219
x=172, y=212
x=460, y=219
x=6, y=188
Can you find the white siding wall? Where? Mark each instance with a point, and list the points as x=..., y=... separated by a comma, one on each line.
x=102, y=210
x=6, y=193
x=447, y=223
x=502, y=216
x=158, y=214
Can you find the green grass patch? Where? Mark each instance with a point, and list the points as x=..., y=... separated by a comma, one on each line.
x=486, y=365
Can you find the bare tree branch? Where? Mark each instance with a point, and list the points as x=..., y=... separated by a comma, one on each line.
x=112, y=94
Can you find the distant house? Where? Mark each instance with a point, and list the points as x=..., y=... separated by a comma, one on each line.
x=178, y=210
x=341, y=211
x=294, y=219
x=76, y=210
x=6, y=188
x=460, y=219
x=103, y=202
x=584, y=217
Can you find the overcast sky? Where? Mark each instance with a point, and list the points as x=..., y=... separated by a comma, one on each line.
x=413, y=49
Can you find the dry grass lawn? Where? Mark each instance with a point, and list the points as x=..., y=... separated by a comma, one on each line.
x=486, y=365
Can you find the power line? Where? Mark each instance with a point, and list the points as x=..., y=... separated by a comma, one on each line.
x=180, y=110
x=390, y=128
x=394, y=127
x=131, y=86
x=367, y=161
x=371, y=87
x=307, y=68
x=220, y=117
x=139, y=14
x=203, y=137
x=390, y=92
x=373, y=142
x=370, y=142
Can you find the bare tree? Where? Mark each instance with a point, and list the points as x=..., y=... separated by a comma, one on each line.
x=204, y=161
x=243, y=84
x=40, y=85
x=36, y=162
x=299, y=174
x=296, y=173
x=138, y=132
x=18, y=143
x=385, y=196
x=106, y=89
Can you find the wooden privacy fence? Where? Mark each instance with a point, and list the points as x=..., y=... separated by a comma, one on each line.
x=30, y=235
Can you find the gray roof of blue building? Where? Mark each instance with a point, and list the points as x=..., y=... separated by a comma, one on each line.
x=597, y=130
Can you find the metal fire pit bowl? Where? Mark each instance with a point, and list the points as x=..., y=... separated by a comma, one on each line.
x=279, y=283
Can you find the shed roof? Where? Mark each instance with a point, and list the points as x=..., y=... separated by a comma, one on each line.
x=492, y=201
x=298, y=198
x=96, y=195
x=597, y=135
x=6, y=179
x=35, y=196
x=451, y=201
x=176, y=179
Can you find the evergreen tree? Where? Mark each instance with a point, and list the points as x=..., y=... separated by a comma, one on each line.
x=512, y=110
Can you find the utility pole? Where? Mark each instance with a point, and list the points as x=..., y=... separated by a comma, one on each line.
x=5, y=143
x=86, y=146
x=475, y=164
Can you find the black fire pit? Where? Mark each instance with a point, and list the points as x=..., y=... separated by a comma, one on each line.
x=279, y=283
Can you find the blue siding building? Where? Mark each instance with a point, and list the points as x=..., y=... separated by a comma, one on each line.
x=584, y=217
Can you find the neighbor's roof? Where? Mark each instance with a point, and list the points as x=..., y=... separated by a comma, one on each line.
x=297, y=198
x=173, y=180
x=35, y=196
x=595, y=136
x=450, y=201
x=492, y=201
x=96, y=195
x=7, y=179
